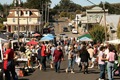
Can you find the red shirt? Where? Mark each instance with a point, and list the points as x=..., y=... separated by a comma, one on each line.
x=58, y=55
x=10, y=53
x=43, y=48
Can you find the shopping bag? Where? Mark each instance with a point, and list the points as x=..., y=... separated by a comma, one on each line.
x=78, y=60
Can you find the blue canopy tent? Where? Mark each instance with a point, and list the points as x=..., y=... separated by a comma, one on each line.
x=46, y=38
x=50, y=35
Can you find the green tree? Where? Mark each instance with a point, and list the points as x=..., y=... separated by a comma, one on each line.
x=35, y=4
x=63, y=14
x=1, y=7
x=1, y=26
x=78, y=12
x=67, y=6
x=98, y=33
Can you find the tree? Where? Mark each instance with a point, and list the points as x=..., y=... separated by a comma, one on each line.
x=35, y=4
x=78, y=12
x=1, y=26
x=67, y=6
x=1, y=7
x=63, y=14
x=98, y=33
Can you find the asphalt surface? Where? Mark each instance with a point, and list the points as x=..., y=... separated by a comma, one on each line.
x=50, y=74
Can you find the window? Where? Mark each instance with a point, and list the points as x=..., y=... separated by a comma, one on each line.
x=15, y=28
x=13, y=19
x=24, y=28
x=30, y=19
x=26, y=12
x=17, y=12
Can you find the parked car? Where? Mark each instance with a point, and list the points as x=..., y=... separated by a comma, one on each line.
x=65, y=29
x=46, y=30
x=71, y=27
x=74, y=31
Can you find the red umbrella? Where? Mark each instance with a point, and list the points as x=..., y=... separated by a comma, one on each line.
x=32, y=43
x=36, y=34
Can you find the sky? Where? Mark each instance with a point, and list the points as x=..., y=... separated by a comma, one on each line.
x=81, y=2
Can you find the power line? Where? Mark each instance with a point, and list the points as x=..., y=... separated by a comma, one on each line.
x=91, y=2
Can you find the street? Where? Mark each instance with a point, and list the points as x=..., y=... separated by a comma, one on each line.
x=50, y=74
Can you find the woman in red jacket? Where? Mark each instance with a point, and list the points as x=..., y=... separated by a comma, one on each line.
x=8, y=64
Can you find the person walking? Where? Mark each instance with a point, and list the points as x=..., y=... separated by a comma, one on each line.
x=8, y=64
x=58, y=56
x=101, y=62
x=43, y=56
x=53, y=48
x=85, y=57
x=71, y=60
x=110, y=64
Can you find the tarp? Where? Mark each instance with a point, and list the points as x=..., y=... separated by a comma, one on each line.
x=116, y=41
x=46, y=38
x=85, y=39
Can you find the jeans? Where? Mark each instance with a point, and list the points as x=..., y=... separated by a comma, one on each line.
x=57, y=66
x=10, y=69
x=43, y=62
x=110, y=68
x=102, y=71
x=71, y=63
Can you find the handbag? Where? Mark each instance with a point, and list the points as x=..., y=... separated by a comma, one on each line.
x=78, y=60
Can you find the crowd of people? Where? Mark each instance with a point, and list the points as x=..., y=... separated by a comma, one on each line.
x=85, y=54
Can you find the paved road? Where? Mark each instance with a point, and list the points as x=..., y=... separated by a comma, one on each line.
x=59, y=29
x=52, y=75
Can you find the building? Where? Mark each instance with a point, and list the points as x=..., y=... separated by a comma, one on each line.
x=95, y=15
x=28, y=20
x=112, y=22
x=91, y=16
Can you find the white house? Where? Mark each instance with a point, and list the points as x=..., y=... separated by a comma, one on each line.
x=26, y=19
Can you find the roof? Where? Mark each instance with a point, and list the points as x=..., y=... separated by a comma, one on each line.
x=96, y=9
x=113, y=20
x=33, y=15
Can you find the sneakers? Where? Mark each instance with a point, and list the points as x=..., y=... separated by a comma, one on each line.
x=66, y=70
x=72, y=72
x=100, y=79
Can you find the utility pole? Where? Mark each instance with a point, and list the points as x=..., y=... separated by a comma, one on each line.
x=18, y=13
x=48, y=12
x=105, y=22
x=45, y=12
